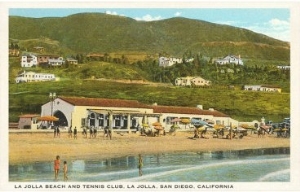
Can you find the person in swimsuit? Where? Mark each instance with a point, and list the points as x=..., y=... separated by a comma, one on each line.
x=140, y=165
x=65, y=171
x=56, y=166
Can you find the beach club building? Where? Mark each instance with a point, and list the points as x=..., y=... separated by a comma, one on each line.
x=125, y=115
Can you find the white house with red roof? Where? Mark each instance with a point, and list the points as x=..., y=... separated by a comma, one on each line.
x=28, y=121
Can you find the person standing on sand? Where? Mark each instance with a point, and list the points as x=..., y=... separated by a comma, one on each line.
x=56, y=166
x=58, y=131
x=70, y=132
x=75, y=133
x=140, y=165
x=65, y=171
x=55, y=132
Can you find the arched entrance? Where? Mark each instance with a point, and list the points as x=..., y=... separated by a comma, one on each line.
x=62, y=119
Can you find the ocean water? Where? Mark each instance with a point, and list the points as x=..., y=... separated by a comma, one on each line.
x=252, y=165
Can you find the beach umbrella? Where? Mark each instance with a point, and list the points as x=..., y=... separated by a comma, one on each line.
x=217, y=127
x=158, y=127
x=156, y=124
x=145, y=125
x=264, y=126
x=175, y=120
x=210, y=121
x=202, y=128
x=277, y=130
x=198, y=122
x=185, y=121
x=48, y=118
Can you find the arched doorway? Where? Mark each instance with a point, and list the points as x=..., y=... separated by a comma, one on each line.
x=62, y=119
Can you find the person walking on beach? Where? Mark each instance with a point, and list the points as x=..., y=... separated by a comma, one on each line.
x=65, y=171
x=84, y=133
x=56, y=166
x=140, y=165
x=75, y=133
x=55, y=132
x=70, y=132
x=91, y=132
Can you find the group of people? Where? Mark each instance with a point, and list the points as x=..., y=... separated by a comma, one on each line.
x=71, y=132
x=65, y=167
x=56, y=131
x=57, y=168
x=93, y=132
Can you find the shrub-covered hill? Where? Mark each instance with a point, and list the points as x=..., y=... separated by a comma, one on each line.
x=98, y=32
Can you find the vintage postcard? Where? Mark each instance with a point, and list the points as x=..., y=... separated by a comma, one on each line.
x=122, y=96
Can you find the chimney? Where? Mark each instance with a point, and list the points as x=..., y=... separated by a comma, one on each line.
x=200, y=107
x=211, y=109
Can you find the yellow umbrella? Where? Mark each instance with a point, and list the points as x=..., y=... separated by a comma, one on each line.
x=218, y=127
x=201, y=128
x=145, y=125
x=276, y=130
x=186, y=121
x=48, y=118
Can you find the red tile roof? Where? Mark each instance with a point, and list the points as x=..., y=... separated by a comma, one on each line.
x=103, y=102
x=186, y=110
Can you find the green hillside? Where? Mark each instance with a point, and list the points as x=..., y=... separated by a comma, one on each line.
x=241, y=105
x=139, y=44
x=97, y=32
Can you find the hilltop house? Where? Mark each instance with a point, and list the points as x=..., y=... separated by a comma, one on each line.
x=29, y=60
x=45, y=58
x=284, y=67
x=33, y=77
x=33, y=59
x=56, y=61
x=13, y=52
x=168, y=61
x=71, y=61
x=230, y=59
x=267, y=88
x=127, y=115
x=39, y=49
x=191, y=81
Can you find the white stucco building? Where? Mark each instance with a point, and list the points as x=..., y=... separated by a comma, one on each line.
x=123, y=114
x=31, y=76
x=192, y=81
x=230, y=59
x=29, y=60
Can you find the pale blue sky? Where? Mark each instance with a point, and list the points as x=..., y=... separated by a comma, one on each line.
x=273, y=22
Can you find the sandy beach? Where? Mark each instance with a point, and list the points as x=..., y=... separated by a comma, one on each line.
x=42, y=146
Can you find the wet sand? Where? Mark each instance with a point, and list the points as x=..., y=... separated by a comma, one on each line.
x=42, y=146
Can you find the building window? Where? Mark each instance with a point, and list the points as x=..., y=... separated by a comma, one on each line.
x=118, y=121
